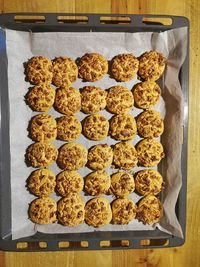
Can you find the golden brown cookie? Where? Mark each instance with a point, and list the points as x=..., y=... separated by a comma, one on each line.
x=150, y=124
x=122, y=184
x=71, y=210
x=100, y=157
x=125, y=155
x=148, y=182
x=150, y=210
x=39, y=70
x=42, y=182
x=42, y=154
x=41, y=98
x=98, y=212
x=65, y=72
x=43, y=128
x=146, y=94
x=68, y=128
x=119, y=100
x=123, y=210
x=92, y=67
x=124, y=67
x=150, y=152
x=93, y=99
x=67, y=101
x=151, y=66
x=95, y=127
x=69, y=182
x=43, y=210
x=72, y=156
x=97, y=183
x=123, y=127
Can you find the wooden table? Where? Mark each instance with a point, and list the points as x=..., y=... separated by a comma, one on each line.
x=187, y=255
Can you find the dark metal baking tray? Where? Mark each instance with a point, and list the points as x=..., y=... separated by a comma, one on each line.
x=49, y=22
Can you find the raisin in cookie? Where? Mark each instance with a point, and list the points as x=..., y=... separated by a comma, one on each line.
x=42, y=182
x=69, y=182
x=122, y=184
x=97, y=183
x=146, y=94
x=71, y=210
x=68, y=128
x=43, y=128
x=72, y=156
x=43, y=210
x=150, y=152
x=123, y=210
x=148, y=182
x=119, y=100
x=95, y=127
x=42, y=154
x=150, y=210
x=100, y=157
x=67, y=101
x=93, y=99
x=123, y=127
x=39, y=70
x=125, y=155
x=41, y=98
x=124, y=67
x=65, y=72
x=98, y=212
x=92, y=67
x=150, y=124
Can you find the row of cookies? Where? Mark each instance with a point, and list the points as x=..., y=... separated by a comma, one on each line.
x=43, y=183
x=63, y=71
x=72, y=156
x=91, y=99
x=97, y=212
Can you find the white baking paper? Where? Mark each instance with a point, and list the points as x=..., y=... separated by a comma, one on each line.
x=21, y=46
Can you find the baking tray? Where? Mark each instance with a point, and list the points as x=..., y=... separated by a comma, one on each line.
x=50, y=22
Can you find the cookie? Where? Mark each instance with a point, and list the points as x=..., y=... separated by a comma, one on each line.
x=150, y=210
x=119, y=100
x=67, y=101
x=71, y=210
x=150, y=124
x=39, y=70
x=123, y=127
x=72, y=156
x=123, y=210
x=92, y=67
x=43, y=128
x=93, y=99
x=150, y=152
x=68, y=128
x=151, y=66
x=146, y=94
x=69, y=182
x=124, y=67
x=100, y=157
x=98, y=212
x=148, y=182
x=125, y=155
x=95, y=127
x=41, y=98
x=42, y=154
x=65, y=72
x=122, y=184
x=43, y=210
x=42, y=182
x=97, y=183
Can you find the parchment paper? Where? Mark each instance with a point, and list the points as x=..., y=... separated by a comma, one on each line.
x=22, y=45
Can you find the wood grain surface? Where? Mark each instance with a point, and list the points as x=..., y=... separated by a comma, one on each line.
x=188, y=255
